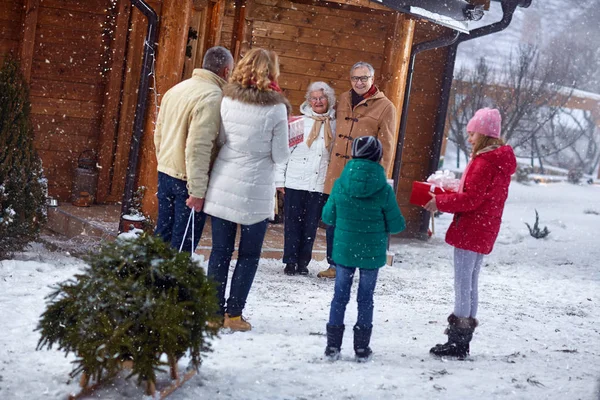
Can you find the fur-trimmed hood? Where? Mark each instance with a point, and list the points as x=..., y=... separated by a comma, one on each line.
x=252, y=95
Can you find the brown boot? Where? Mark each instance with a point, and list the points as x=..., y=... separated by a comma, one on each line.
x=328, y=273
x=236, y=324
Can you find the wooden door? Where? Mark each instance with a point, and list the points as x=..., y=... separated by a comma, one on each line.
x=205, y=27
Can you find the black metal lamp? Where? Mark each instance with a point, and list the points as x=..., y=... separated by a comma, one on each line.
x=474, y=12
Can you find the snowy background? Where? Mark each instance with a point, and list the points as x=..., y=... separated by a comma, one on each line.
x=539, y=336
x=539, y=24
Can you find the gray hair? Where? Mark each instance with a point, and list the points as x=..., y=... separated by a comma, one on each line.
x=327, y=91
x=362, y=64
x=217, y=58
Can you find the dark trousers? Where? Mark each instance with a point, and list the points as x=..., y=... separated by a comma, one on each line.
x=302, y=210
x=364, y=296
x=173, y=214
x=223, y=241
x=329, y=236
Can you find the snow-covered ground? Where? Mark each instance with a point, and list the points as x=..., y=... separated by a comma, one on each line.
x=539, y=334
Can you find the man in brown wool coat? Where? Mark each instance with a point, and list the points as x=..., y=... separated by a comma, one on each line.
x=362, y=111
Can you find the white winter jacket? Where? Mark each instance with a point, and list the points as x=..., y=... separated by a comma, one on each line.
x=307, y=166
x=253, y=138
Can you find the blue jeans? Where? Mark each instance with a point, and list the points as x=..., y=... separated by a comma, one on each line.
x=302, y=210
x=341, y=296
x=329, y=238
x=223, y=241
x=173, y=214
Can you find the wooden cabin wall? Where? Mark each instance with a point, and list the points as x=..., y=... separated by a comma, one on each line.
x=424, y=104
x=83, y=60
x=11, y=18
x=318, y=42
x=228, y=20
x=61, y=48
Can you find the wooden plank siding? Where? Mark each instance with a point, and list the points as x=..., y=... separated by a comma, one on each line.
x=11, y=27
x=318, y=43
x=61, y=48
x=108, y=135
x=227, y=10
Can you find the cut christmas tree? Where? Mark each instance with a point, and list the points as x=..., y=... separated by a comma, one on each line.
x=136, y=301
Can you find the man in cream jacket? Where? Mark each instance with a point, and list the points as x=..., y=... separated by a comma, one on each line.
x=186, y=130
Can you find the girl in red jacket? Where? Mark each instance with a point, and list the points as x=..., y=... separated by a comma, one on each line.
x=477, y=209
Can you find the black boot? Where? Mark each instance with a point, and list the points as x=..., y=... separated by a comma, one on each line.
x=335, y=335
x=302, y=268
x=290, y=269
x=460, y=333
x=362, y=338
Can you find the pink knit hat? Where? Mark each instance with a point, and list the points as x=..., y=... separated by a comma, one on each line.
x=486, y=121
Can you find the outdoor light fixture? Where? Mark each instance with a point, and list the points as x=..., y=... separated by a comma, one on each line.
x=473, y=12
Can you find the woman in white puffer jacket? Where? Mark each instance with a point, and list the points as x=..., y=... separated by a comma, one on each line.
x=241, y=189
x=302, y=179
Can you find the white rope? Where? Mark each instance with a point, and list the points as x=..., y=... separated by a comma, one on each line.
x=190, y=219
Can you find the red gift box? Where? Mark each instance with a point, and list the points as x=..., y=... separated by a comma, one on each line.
x=295, y=131
x=420, y=193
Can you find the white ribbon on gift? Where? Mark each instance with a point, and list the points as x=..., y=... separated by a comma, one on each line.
x=445, y=180
x=432, y=188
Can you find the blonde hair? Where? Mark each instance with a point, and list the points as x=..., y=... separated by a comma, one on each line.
x=258, y=68
x=485, y=141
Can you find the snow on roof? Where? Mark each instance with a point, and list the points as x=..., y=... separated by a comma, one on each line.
x=444, y=20
x=581, y=93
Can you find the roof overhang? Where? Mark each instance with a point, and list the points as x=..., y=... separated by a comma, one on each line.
x=453, y=14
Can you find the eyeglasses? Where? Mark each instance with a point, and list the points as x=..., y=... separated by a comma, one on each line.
x=363, y=79
x=315, y=99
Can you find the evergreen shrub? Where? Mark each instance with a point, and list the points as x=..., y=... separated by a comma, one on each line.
x=22, y=185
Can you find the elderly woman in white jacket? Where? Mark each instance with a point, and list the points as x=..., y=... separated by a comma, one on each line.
x=241, y=190
x=302, y=179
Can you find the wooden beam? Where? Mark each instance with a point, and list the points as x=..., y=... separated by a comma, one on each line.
x=216, y=24
x=238, y=26
x=134, y=48
x=112, y=101
x=170, y=59
x=395, y=63
x=247, y=28
x=360, y=6
x=28, y=41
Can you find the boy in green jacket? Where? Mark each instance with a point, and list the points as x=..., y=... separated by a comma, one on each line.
x=363, y=208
